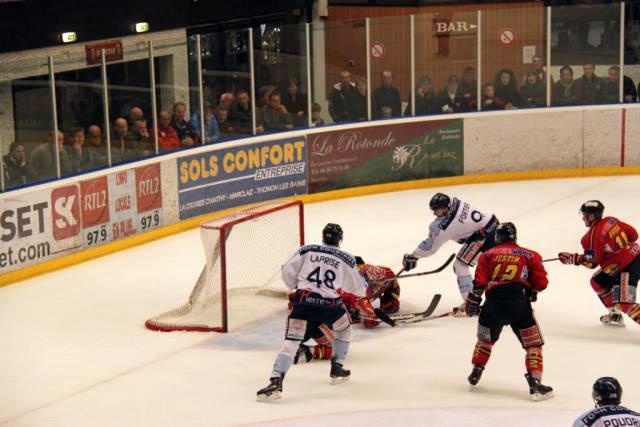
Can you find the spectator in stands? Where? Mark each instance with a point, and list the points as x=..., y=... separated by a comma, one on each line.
x=539, y=70
x=226, y=101
x=226, y=128
x=275, y=116
x=489, y=100
x=263, y=96
x=95, y=145
x=168, y=139
x=506, y=88
x=16, y=170
x=360, y=112
x=80, y=158
x=448, y=99
x=211, y=131
x=295, y=103
x=139, y=140
x=119, y=140
x=186, y=134
x=135, y=114
x=533, y=94
x=316, y=120
x=564, y=90
x=241, y=117
x=468, y=90
x=611, y=91
x=589, y=87
x=343, y=99
x=386, y=95
x=43, y=158
x=425, y=98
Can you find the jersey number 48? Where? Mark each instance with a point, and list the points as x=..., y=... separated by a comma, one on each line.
x=327, y=279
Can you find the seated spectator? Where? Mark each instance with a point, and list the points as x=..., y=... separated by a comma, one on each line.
x=533, y=94
x=275, y=116
x=342, y=100
x=211, y=131
x=360, y=100
x=489, y=100
x=468, y=90
x=539, y=70
x=43, y=158
x=263, y=96
x=449, y=100
x=139, y=142
x=296, y=104
x=135, y=114
x=611, y=92
x=316, y=120
x=80, y=158
x=506, y=88
x=168, y=139
x=95, y=145
x=387, y=113
x=226, y=128
x=241, y=117
x=425, y=98
x=16, y=170
x=563, y=92
x=386, y=95
x=589, y=87
x=226, y=101
x=119, y=140
x=186, y=134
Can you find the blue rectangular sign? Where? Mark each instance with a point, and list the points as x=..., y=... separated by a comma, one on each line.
x=237, y=176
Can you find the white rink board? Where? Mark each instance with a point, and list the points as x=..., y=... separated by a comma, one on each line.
x=75, y=351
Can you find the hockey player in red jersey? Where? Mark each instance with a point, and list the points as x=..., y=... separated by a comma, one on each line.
x=610, y=244
x=511, y=276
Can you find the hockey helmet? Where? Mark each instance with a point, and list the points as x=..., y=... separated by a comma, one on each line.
x=607, y=391
x=506, y=232
x=440, y=200
x=594, y=207
x=332, y=234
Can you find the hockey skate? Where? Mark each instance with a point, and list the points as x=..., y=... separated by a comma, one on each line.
x=613, y=318
x=271, y=392
x=537, y=390
x=338, y=374
x=475, y=375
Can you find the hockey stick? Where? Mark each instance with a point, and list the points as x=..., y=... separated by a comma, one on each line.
x=550, y=259
x=416, y=317
x=424, y=273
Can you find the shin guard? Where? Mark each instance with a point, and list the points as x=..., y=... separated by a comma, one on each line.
x=482, y=353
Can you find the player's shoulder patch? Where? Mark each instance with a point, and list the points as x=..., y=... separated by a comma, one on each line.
x=349, y=259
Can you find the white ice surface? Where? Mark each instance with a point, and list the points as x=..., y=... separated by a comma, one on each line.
x=75, y=352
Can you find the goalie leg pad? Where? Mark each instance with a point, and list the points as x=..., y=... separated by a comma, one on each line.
x=296, y=329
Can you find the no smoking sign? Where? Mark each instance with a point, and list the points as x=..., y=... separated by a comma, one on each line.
x=377, y=50
x=506, y=36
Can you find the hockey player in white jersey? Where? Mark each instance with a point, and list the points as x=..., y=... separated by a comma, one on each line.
x=456, y=220
x=607, y=395
x=318, y=274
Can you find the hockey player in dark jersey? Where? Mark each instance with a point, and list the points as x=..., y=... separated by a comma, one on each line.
x=511, y=276
x=607, y=395
x=610, y=244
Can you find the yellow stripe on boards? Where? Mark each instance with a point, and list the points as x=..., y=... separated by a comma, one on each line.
x=139, y=239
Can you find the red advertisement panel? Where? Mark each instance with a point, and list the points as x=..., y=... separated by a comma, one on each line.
x=66, y=212
x=95, y=202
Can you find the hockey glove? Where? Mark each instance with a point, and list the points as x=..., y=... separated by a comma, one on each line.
x=364, y=307
x=472, y=306
x=569, y=258
x=533, y=295
x=409, y=262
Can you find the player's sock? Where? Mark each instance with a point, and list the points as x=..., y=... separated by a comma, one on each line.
x=533, y=362
x=482, y=353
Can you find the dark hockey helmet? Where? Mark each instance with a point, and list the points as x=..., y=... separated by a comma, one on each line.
x=332, y=234
x=359, y=260
x=506, y=232
x=592, y=207
x=440, y=200
x=607, y=391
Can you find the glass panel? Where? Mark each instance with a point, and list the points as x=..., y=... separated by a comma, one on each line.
x=585, y=45
x=631, y=51
x=389, y=50
x=80, y=112
x=175, y=98
x=280, y=77
x=25, y=133
x=513, y=58
x=226, y=82
x=446, y=59
x=340, y=71
x=130, y=105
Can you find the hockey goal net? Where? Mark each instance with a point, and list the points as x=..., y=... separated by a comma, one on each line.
x=244, y=252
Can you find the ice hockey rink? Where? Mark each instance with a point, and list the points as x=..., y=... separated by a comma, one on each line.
x=75, y=351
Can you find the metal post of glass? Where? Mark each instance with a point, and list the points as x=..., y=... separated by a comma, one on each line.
x=548, y=55
x=253, y=82
x=367, y=43
x=413, y=64
x=479, y=62
x=154, y=105
x=200, y=89
x=308, y=53
x=621, y=80
x=54, y=115
x=105, y=105
x=1, y=169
